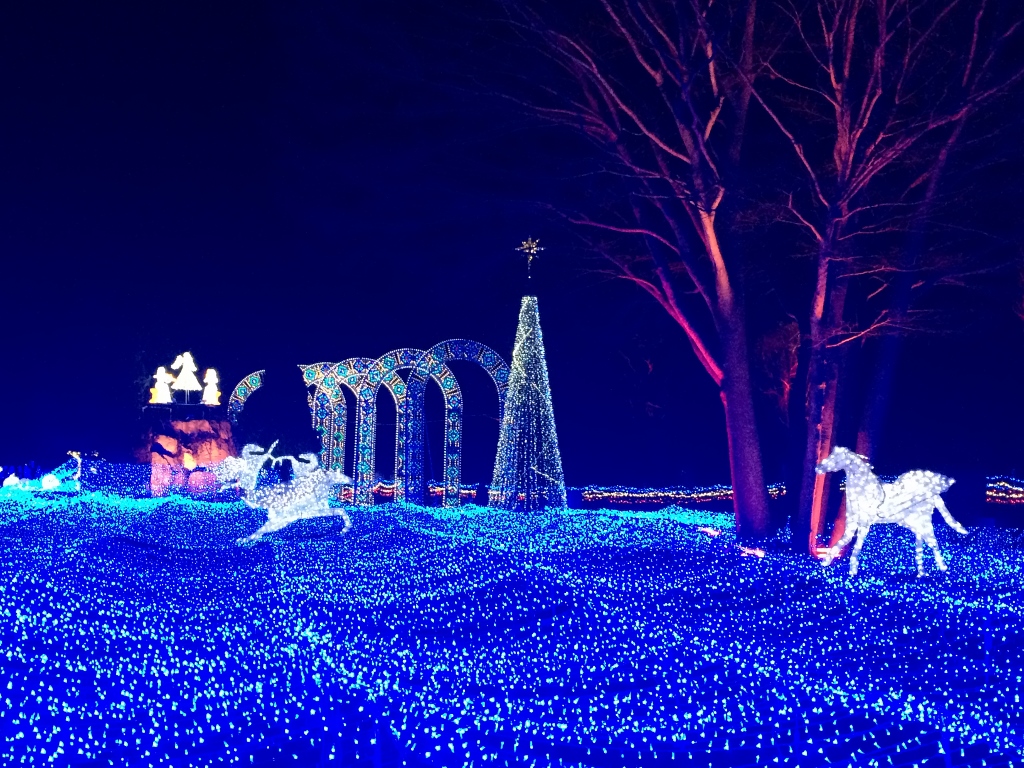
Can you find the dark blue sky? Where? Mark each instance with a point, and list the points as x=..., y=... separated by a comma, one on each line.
x=268, y=186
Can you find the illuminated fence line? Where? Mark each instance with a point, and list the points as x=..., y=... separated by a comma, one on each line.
x=649, y=496
x=133, y=480
x=597, y=495
x=1003, y=489
x=386, y=491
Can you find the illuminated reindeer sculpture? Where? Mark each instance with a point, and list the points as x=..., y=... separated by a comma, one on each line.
x=306, y=495
x=909, y=501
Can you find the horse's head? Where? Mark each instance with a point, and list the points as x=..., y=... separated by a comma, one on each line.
x=243, y=470
x=841, y=458
x=304, y=464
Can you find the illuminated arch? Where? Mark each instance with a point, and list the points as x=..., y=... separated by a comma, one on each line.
x=385, y=372
x=354, y=372
x=364, y=377
x=432, y=364
x=241, y=393
x=329, y=412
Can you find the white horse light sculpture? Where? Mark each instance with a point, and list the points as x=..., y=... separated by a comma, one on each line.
x=909, y=501
x=306, y=495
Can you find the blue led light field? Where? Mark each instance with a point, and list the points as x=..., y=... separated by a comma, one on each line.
x=136, y=632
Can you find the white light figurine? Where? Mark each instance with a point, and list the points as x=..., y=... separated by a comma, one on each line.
x=909, y=501
x=306, y=495
x=211, y=395
x=187, y=378
x=161, y=393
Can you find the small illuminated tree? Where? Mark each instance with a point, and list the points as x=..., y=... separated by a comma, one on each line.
x=528, y=466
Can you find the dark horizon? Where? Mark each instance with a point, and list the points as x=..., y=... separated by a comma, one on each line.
x=266, y=189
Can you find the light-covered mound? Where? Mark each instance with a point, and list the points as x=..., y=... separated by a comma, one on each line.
x=138, y=631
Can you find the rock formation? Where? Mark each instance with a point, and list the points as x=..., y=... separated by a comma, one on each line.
x=179, y=452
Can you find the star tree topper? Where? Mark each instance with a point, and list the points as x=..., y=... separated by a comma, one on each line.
x=532, y=249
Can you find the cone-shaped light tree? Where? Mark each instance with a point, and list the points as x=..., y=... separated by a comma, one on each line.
x=528, y=467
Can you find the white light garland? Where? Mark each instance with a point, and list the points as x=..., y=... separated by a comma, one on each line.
x=161, y=393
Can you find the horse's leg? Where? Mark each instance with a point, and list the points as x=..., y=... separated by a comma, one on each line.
x=939, y=562
x=274, y=523
x=862, y=533
x=944, y=511
x=344, y=516
x=835, y=550
x=919, y=554
x=253, y=537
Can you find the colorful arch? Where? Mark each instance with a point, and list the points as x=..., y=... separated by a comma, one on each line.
x=329, y=413
x=385, y=372
x=242, y=391
x=431, y=364
x=364, y=378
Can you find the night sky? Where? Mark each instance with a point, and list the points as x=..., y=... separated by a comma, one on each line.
x=267, y=185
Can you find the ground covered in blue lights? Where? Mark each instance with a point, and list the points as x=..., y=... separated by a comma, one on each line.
x=136, y=632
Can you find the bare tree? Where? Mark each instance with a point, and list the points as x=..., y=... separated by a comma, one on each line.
x=652, y=86
x=872, y=96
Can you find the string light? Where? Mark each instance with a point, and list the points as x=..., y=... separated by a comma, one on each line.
x=186, y=380
x=211, y=395
x=908, y=501
x=528, y=466
x=161, y=393
x=329, y=413
x=134, y=630
x=1004, y=490
x=532, y=249
x=626, y=496
x=385, y=371
x=165, y=384
x=431, y=364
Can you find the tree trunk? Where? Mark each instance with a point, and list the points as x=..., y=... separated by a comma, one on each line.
x=822, y=392
x=822, y=389
x=750, y=496
x=849, y=362
x=876, y=399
